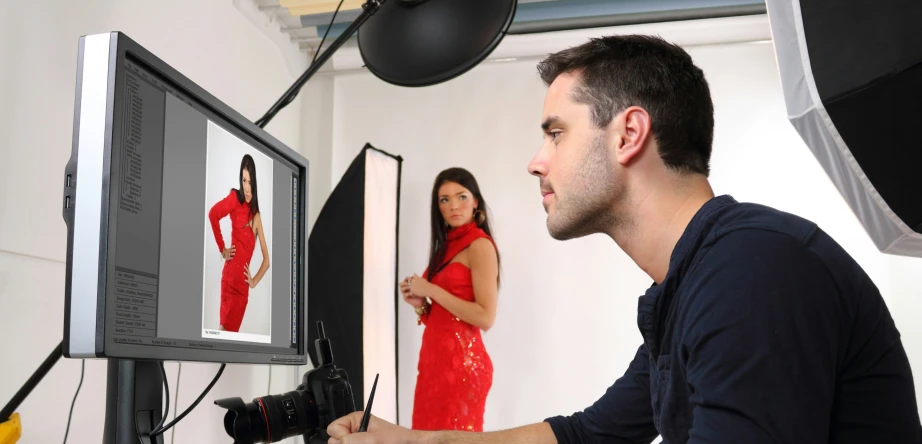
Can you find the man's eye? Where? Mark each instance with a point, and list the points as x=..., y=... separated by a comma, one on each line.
x=463, y=197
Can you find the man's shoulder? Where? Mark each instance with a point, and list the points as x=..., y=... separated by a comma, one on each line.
x=751, y=220
x=755, y=245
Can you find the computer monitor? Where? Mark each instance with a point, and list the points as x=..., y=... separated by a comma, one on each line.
x=175, y=204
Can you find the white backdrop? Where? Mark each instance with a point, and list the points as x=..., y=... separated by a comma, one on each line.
x=222, y=173
x=566, y=326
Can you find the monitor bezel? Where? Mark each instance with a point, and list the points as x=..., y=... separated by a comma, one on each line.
x=100, y=66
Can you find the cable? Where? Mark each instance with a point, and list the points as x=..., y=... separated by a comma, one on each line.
x=176, y=403
x=159, y=431
x=325, y=33
x=166, y=389
x=166, y=412
x=293, y=90
x=74, y=402
x=269, y=387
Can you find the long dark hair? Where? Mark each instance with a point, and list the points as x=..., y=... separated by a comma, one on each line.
x=250, y=166
x=439, y=242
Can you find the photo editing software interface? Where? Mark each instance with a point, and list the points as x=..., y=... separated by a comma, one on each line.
x=205, y=228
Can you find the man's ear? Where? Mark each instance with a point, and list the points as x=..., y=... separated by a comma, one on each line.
x=633, y=128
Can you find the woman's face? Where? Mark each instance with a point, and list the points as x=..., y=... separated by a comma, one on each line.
x=457, y=204
x=247, y=188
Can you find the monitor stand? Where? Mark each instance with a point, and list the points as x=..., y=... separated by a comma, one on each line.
x=134, y=402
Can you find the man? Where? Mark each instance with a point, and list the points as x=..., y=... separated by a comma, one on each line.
x=759, y=327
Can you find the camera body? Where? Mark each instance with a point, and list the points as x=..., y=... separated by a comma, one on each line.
x=323, y=396
x=332, y=395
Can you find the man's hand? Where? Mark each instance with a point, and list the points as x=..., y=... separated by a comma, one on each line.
x=345, y=431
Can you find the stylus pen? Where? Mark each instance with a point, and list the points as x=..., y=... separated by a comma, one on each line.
x=371, y=399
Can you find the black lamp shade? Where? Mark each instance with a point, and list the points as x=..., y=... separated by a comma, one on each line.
x=424, y=43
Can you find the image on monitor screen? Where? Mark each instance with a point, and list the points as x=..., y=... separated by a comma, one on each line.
x=186, y=236
x=237, y=287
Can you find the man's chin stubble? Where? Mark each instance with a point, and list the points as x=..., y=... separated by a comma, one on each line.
x=563, y=233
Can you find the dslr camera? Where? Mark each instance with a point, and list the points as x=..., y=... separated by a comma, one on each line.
x=323, y=396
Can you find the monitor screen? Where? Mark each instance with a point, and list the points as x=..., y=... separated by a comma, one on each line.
x=191, y=217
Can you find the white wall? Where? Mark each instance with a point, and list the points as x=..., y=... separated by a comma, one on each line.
x=566, y=327
x=208, y=41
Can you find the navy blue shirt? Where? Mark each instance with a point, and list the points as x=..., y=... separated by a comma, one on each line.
x=763, y=331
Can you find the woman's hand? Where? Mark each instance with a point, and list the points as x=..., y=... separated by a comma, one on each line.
x=229, y=252
x=418, y=287
x=250, y=281
x=415, y=301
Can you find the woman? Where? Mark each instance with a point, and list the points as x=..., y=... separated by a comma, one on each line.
x=461, y=281
x=242, y=205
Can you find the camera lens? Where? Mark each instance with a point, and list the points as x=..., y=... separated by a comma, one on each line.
x=270, y=418
x=289, y=414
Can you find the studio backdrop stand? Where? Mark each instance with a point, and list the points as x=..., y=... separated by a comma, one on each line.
x=10, y=428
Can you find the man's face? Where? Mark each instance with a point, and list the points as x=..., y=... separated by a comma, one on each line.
x=576, y=172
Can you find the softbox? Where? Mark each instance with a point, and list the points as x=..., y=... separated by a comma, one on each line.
x=352, y=276
x=852, y=78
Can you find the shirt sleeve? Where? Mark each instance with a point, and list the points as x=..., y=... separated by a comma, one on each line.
x=624, y=414
x=761, y=339
x=218, y=212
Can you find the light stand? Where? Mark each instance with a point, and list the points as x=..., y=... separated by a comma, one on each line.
x=9, y=430
x=368, y=9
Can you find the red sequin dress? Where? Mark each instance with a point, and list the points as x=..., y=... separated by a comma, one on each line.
x=455, y=371
x=234, y=288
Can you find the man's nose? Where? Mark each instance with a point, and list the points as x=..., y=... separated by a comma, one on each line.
x=538, y=165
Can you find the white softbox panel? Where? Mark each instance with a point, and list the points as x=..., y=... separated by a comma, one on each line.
x=852, y=79
x=352, y=277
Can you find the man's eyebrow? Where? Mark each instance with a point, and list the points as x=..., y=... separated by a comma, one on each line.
x=551, y=121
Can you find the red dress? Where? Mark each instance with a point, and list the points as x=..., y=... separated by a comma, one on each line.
x=235, y=290
x=455, y=371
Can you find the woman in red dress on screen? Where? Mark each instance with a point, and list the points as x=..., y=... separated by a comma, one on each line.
x=462, y=280
x=242, y=205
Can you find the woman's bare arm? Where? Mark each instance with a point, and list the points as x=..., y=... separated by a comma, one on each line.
x=484, y=270
x=264, y=266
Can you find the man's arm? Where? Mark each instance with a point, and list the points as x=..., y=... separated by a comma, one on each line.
x=623, y=415
x=531, y=434
x=762, y=336
x=343, y=431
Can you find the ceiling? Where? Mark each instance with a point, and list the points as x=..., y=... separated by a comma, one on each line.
x=305, y=21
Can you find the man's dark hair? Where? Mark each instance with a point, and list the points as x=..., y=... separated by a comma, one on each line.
x=636, y=70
